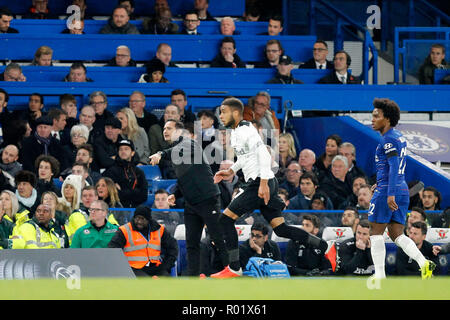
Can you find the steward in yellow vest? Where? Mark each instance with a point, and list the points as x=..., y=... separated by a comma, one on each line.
x=148, y=248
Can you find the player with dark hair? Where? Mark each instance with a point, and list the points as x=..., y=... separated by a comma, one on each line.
x=390, y=200
x=260, y=192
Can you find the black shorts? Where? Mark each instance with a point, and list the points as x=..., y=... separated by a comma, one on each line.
x=247, y=200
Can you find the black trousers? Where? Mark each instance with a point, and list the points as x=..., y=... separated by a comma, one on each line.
x=196, y=217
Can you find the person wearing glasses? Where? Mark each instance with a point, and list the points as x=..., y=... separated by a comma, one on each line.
x=191, y=23
x=258, y=245
x=98, y=232
x=319, y=59
x=99, y=101
x=272, y=53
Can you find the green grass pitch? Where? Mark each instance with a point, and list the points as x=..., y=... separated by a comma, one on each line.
x=404, y=288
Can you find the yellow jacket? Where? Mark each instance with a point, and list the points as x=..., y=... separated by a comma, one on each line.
x=19, y=219
x=31, y=236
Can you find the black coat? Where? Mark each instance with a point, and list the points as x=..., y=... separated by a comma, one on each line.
x=31, y=149
x=104, y=149
x=337, y=190
x=280, y=79
x=354, y=261
x=219, y=62
x=133, y=184
x=302, y=260
x=333, y=79
x=147, y=120
x=405, y=266
x=270, y=250
x=311, y=64
x=195, y=180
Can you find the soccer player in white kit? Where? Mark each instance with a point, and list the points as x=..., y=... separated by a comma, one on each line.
x=260, y=192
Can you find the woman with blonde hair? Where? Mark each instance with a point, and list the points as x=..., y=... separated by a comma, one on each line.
x=132, y=131
x=107, y=191
x=43, y=57
x=71, y=194
x=10, y=208
x=287, y=152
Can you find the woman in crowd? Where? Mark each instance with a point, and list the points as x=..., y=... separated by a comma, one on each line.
x=47, y=168
x=107, y=191
x=71, y=194
x=331, y=150
x=132, y=131
x=10, y=208
x=287, y=152
x=79, y=135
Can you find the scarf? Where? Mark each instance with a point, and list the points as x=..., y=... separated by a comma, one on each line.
x=43, y=141
x=27, y=202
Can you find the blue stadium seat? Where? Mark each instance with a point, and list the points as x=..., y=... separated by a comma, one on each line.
x=151, y=172
x=163, y=184
x=58, y=183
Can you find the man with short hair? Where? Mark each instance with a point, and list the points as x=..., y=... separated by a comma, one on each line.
x=228, y=27
x=122, y=58
x=303, y=259
x=170, y=219
x=106, y=145
x=59, y=119
x=275, y=26
x=160, y=23
x=431, y=198
x=350, y=218
x=179, y=98
x=435, y=60
x=258, y=245
x=406, y=266
x=284, y=72
x=68, y=103
x=308, y=187
x=340, y=75
x=164, y=54
x=99, y=101
x=6, y=17
x=292, y=179
x=334, y=183
x=13, y=72
x=77, y=73
x=144, y=118
x=364, y=196
x=119, y=23
x=9, y=157
x=98, y=232
x=130, y=180
x=348, y=150
x=191, y=23
x=319, y=59
x=272, y=54
x=201, y=6
x=227, y=57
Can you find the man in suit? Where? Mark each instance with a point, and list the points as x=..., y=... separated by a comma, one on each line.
x=319, y=59
x=191, y=23
x=342, y=61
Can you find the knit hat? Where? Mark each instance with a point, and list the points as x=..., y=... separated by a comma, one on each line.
x=143, y=210
x=26, y=176
x=155, y=65
x=75, y=181
x=113, y=122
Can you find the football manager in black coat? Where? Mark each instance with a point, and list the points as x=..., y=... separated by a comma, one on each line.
x=195, y=181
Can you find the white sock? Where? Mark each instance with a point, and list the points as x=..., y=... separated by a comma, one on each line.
x=410, y=248
x=378, y=252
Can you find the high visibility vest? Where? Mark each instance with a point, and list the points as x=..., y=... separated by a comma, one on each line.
x=31, y=236
x=138, y=250
x=76, y=220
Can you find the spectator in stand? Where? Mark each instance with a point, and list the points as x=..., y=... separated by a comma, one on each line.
x=6, y=17
x=107, y=191
x=179, y=98
x=331, y=150
x=47, y=168
x=307, y=160
x=434, y=60
x=319, y=59
x=258, y=245
x=119, y=23
x=409, y=267
x=122, y=58
x=228, y=27
x=207, y=119
x=13, y=72
x=12, y=211
x=79, y=135
x=77, y=73
x=34, y=111
x=70, y=194
x=348, y=150
x=129, y=179
x=260, y=110
x=201, y=6
x=191, y=23
x=352, y=200
x=308, y=188
x=85, y=155
x=164, y=53
x=106, y=145
x=99, y=101
x=354, y=253
x=59, y=119
x=350, y=218
x=292, y=179
x=155, y=70
x=41, y=142
x=334, y=184
x=77, y=27
x=129, y=5
x=252, y=13
x=416, y=214
x=132, y=131
x=272, y=53
x=87, y=118
x=342, y=61
x=303, y=259
x=26, y=191
x=43, y=57
x=59, y=218
x=169, y=219
x=144, y=118
x=39, y=10
x=227, y=57
x=431, y=198
x=8, y=161
x=275, y=26
x=82, y=5
x=284, y=73
x=227, y=185
x=364, y=196
x=287, y=153
x=160, y=23
x=68, y=103
x=160, y=5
